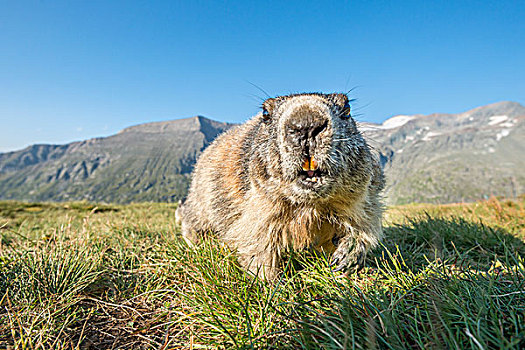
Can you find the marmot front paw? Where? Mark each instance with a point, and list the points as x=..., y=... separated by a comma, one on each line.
x=349, y=255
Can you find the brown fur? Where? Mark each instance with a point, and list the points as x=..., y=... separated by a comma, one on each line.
x=249, y=189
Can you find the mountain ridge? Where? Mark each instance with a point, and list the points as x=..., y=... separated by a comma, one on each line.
x=145, y=162
x=440, y=158
x=444, y=157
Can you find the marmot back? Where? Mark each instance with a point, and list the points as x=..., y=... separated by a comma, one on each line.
x=297, y=175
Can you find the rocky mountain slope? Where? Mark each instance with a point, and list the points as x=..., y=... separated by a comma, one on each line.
x=438, y=158
x=443, y=158
x=149, y=162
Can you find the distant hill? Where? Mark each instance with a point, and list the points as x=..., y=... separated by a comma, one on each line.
x=148, y=162
x=437, y=158
x=444, y=158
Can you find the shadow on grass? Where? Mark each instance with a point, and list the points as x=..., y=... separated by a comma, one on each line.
x=450, y=239
x=437, y=283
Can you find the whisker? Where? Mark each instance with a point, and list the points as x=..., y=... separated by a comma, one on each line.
x=347, y=139
x=259, y=88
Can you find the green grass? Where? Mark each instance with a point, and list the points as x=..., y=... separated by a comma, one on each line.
x=76, y=275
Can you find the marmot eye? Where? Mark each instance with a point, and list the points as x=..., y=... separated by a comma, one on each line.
x=266, y=114
x=345, y=112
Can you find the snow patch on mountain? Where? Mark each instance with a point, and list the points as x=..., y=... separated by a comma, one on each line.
x=502, y=134
x=430, y=135
x=508, y=124
x=396, y=122
x=497, y=119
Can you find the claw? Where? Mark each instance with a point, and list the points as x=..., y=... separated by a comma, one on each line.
x=336, y=260
x=340, y=268
x=351, y=259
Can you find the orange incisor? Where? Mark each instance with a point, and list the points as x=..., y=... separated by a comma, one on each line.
x=310, y=164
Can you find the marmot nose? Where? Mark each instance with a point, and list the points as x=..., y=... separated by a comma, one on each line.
x=317, y=128
x=309, y=130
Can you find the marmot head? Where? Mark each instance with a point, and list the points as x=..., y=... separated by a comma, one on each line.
x=321, y=152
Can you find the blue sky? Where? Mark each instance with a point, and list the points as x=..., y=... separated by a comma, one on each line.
x=71, y=70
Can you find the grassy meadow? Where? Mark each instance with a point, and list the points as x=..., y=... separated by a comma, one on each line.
x=78, y=275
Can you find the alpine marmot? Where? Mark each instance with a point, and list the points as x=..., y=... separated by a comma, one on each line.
x=298, y=175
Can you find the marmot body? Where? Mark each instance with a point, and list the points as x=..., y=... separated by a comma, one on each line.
x=298, y=175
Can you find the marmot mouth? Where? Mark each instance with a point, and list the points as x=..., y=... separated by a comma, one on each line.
x=311, y=178
x=310, y=175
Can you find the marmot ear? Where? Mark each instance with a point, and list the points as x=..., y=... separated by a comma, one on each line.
x=268, y=108
x=343, y=102
x=340, y=99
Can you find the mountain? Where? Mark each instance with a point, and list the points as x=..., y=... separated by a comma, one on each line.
x=444, y=158
x=148, y=162
x=437, y=158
